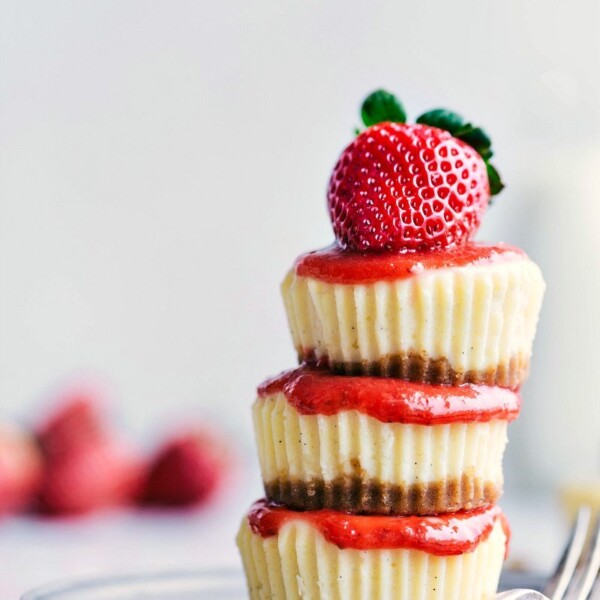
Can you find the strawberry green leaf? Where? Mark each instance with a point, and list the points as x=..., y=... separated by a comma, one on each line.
x=476, y=138
x=443, y=119
x=454, y=124
x=381, y=106
x=496, y=185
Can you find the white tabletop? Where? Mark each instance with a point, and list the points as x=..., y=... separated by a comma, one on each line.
x=37, y=551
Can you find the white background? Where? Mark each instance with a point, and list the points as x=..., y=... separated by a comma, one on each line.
x=162, y=163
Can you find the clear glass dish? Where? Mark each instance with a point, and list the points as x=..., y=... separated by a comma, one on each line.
x=226, y=584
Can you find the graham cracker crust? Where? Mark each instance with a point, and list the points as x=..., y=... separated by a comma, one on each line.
x=421, y=368
x=353, y=494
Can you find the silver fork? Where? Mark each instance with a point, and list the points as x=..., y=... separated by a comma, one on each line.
x=578, y=569
x=577, y=574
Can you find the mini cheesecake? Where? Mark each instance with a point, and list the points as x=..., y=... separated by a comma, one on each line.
x=374, y=445
x=452, y=316
x=314, y=555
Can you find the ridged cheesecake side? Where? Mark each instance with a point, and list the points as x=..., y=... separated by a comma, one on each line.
x=353, y=462
x=299, y=564
x=473, y=323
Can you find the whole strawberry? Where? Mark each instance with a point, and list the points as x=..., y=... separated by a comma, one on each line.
x=186, y=470
x=90, y=477
x=87, y=466
x=410, y=187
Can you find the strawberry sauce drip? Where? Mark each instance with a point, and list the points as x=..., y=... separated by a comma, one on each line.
x=313, y=391
x=443, y=535
x=336, y=265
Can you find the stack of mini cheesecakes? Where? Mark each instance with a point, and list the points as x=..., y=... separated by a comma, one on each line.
x=381, y=455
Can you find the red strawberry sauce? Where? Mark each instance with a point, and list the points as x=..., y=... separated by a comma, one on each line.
x=314, y=391
x=443, y=535
x=336, y=265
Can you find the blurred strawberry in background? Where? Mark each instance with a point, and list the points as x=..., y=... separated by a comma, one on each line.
x=75, y=420
x=187, y=470
x=87, y=465
x=75, y=462
x=20, y=469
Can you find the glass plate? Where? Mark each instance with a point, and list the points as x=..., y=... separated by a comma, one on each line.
x=226, y=584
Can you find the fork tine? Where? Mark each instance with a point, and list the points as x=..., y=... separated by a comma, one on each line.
x=558, y=583
x=595, y=595
x=590, y=569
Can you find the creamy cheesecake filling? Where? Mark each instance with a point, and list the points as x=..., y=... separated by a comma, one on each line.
x=298, y=563
x=474, y=322
x=354, y=462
